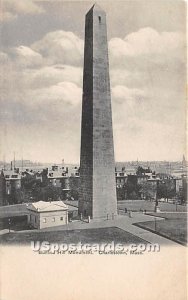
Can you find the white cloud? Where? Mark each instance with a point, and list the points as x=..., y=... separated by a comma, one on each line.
x=3, y=57
x=147, y=41
x=25, y=57
x=57, y=95
x=122, y=93
x=12, y=8
x=50, y=75
x=60, y=47
x=120, y=76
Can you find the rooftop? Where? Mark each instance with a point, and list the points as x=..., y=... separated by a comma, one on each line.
x=10, y=174
x=42, y=206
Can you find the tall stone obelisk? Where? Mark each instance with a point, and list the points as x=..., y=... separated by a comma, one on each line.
x=97, y=168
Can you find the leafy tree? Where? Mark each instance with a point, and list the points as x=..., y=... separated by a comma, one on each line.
x=141, y=170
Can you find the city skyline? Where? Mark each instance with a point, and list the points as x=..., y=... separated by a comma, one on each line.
x=42, y=80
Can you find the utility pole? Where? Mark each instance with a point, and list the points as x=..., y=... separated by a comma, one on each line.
x=14, y=160
x=4, y=161
x=9, y=223
x=155, y=224
x=22, y=158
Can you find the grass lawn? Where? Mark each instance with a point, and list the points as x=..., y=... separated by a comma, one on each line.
x=172, y=215
x=137, y=205
x=172, y=227
x=95, y=235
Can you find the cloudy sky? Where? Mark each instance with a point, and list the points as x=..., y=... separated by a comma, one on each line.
x=41, y=62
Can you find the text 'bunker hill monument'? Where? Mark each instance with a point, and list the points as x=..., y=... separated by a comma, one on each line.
x=97, y=166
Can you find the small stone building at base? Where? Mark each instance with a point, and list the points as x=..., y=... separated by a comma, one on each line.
x=43, y=214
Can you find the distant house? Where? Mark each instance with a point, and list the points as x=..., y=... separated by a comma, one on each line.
x=1, y=190
x=56, y=177
x=65, y=178
x=121, y=181
x=142, y=179
x=179, y=184
x=10, y=185
x=43, y=214
x=121, y=178
x=12, y=181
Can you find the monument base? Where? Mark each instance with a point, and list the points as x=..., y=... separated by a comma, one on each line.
x=157, y=209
